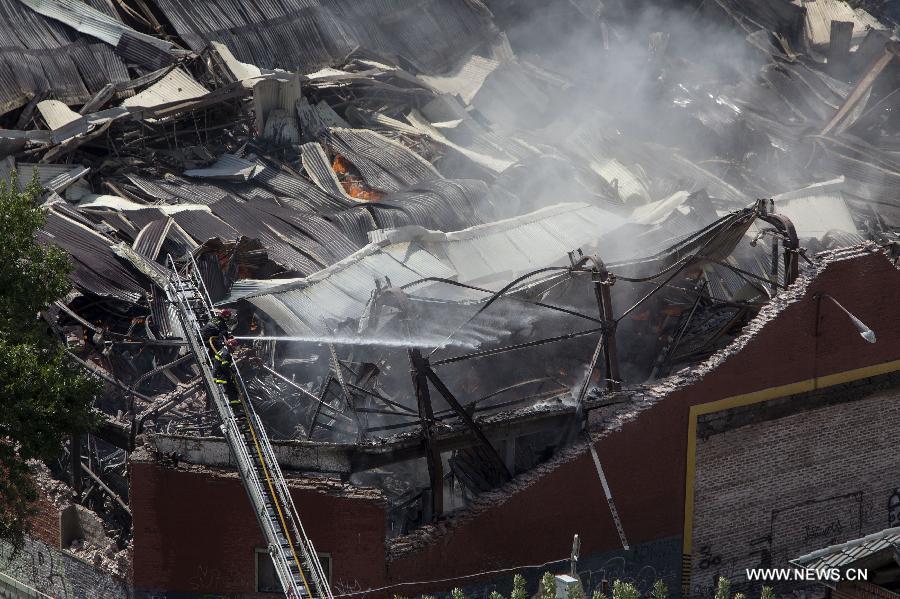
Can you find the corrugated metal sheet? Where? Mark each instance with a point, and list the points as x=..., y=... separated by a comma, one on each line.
x=845, y=554
x=270, y=95
x=465, y=80
x=88, y=20
x=430, y=34
x=150, y=240
x=355, y=223
x=446, y=204
x=175, y=190
x=817, y=209
x=154, y=271
x=493, y=160
x=406, y=255
x=631, y=182
x=96, y=268
x=259, y=225
x=384, y=164
x=175, y=86
x=159, y=313
x=98, y=201
x=228, y=167
x=41, y=55
x=330, y=244
x=63, y=180
x=87, y=123
x=541, y=238
x=55, y=177
x=56, y=114
x=316, y=165
x=137, y=48
x=308, y=197
x=203, y=226
x=821, y=13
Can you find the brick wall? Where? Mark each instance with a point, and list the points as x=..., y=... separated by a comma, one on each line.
x=55, y=573
x=45, y=522
x=770, y=491
x=533, y=520
x=195, y=532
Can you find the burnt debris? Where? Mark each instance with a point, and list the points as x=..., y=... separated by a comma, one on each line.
x=446, y=229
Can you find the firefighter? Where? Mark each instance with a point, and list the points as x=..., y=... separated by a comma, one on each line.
x=224, y=371
x=216, y=327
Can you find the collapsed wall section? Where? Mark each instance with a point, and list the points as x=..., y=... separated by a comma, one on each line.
x=644, y=445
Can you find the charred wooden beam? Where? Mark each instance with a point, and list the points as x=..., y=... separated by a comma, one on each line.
x=467, y=419
x=419, y=368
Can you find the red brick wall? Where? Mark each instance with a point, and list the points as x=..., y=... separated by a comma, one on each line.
x=45, y=523
x=644, y=460
x=194, y=530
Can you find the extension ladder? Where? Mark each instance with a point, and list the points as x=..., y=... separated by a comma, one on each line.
x=296, y=562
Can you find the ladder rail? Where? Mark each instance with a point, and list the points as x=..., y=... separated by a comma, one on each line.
x=252, y=483
x=184, y=288
x=267, y=456
x=309, y=554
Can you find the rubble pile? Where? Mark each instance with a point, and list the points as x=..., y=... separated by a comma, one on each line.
x=463, y=177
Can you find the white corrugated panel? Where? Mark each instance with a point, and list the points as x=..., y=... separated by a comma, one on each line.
x=228, y=167
x=90, y=21
x=821, y=13
x=56, y=114
x=175, y=86
x=465, y=80
x=817, y=212
x=414, y=257
x=281, y=314
x=631, y=183
x=488, y=254
x=99, y=201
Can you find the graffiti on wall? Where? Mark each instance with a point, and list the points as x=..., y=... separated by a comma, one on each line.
x=793, y=530
x=893, y=508
x=57, y=574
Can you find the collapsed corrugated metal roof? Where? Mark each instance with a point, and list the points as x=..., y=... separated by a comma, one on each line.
x=409, y=254
x=429, y=34
x=361, y=180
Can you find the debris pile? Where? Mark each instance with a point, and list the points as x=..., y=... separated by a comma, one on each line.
x=530, y=205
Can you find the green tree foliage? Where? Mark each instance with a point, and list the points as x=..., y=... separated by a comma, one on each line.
x=740, y=596
x=575, y=592
x=44, y=395
x=598, y=594
x=457, y=594
x=723, y=588
x=548, y=586
x=625, y=590
x=519, y=590
x=659, y=590
x=496, y=595
x=767, y=593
